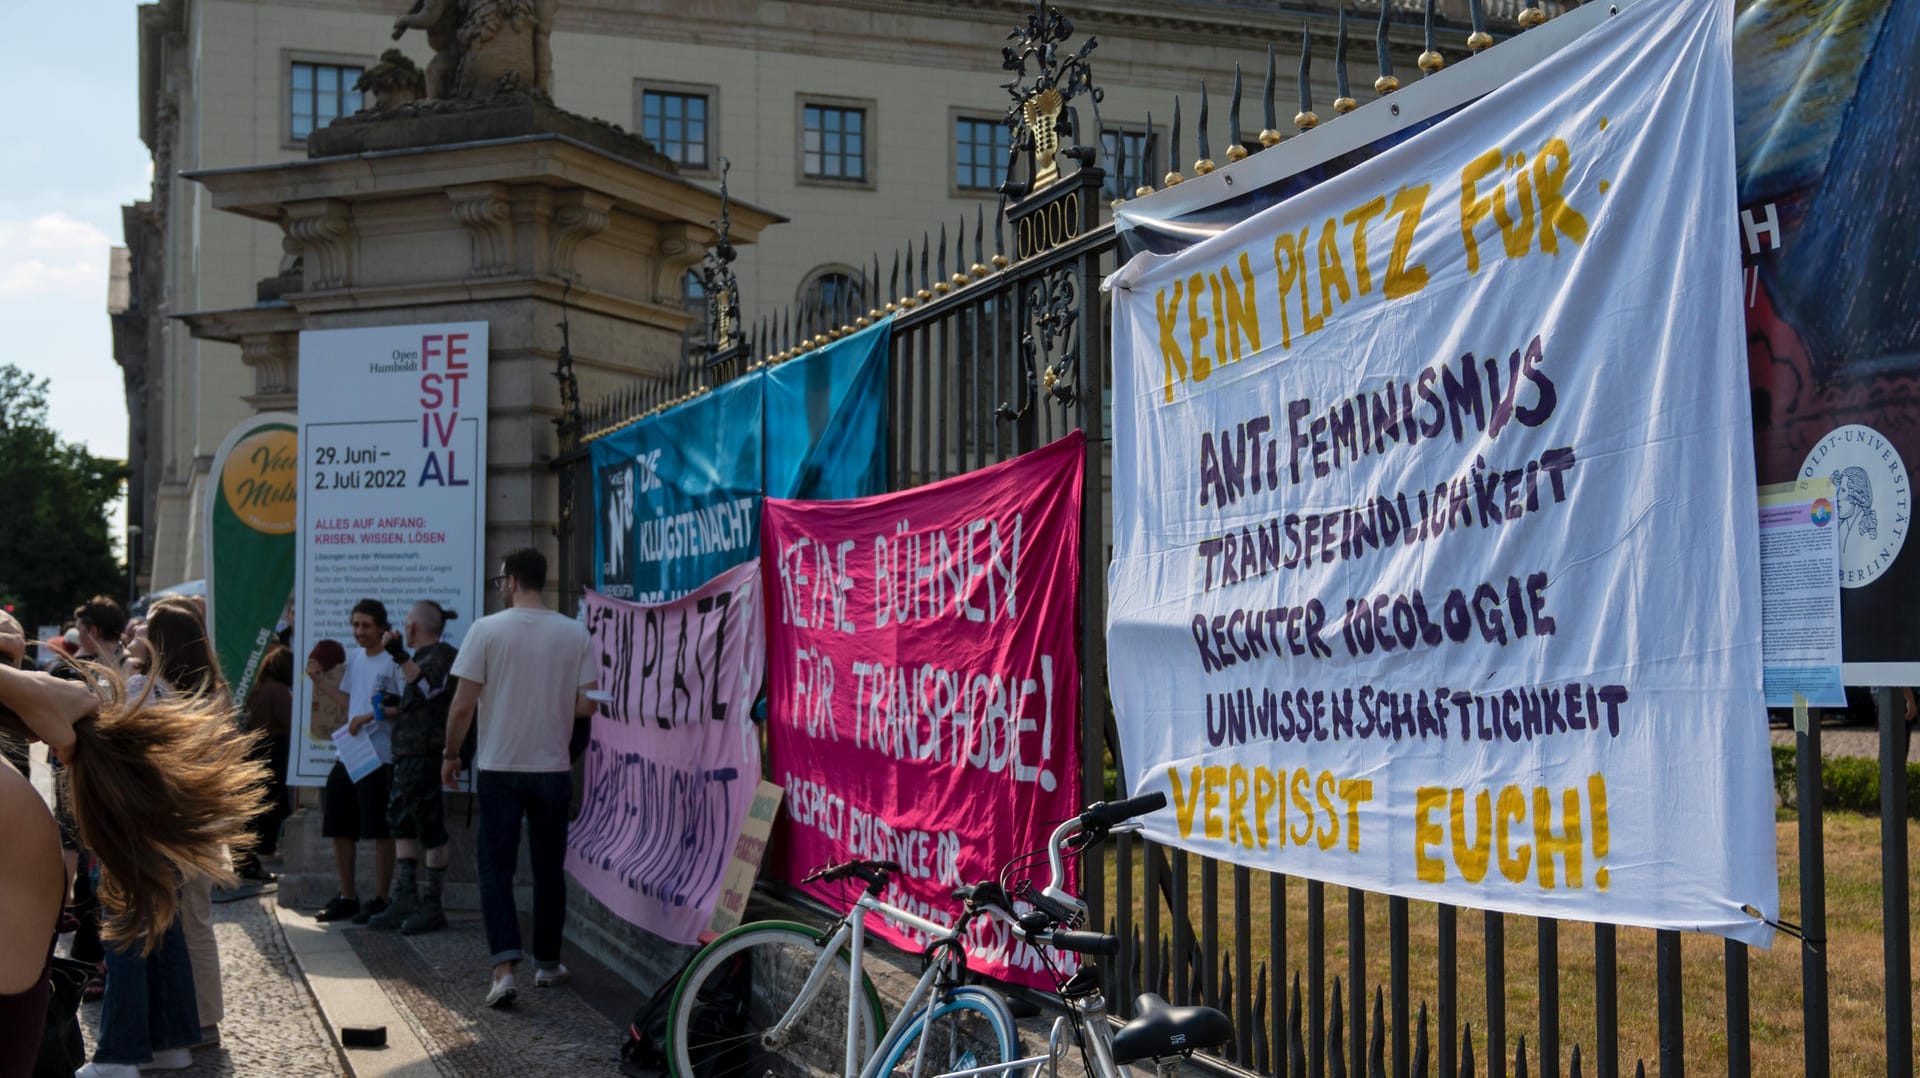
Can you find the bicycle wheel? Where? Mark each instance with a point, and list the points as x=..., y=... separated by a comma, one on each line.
x=971, y=1027
x=728, y=1008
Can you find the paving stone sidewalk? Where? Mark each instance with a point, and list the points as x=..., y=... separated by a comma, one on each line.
x=272, y=1026
x=437, y=982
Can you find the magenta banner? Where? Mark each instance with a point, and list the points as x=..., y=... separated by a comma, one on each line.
x=924, y=684
x=675, y=758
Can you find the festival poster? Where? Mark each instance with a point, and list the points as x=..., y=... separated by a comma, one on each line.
x=392, y=503
x=677, y=495
x=251, y=549
x=674, y=764
x=1434, y=538
x=923, y=683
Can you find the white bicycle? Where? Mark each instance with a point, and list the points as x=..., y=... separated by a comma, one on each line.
x=783, y=999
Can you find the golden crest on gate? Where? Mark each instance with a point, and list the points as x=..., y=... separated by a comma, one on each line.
x=1042, y=115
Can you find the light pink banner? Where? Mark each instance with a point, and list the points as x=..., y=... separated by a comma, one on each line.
x=923, y=681
x=675, y=757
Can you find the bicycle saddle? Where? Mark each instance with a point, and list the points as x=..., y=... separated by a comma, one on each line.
x=1160, y=1029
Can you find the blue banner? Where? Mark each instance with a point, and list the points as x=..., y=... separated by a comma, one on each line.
x=676, y=496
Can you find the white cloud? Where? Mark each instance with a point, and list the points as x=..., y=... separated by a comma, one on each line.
x=52, y=254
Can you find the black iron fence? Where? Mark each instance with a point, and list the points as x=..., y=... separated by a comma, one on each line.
x=1001, y=350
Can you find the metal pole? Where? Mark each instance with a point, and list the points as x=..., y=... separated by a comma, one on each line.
x=1813, y=893
x=1673, y=1056
x=1896, y=901
x=1606, y=1002
x=1397, y=976
x=1739, y=1013
x=1496, y=995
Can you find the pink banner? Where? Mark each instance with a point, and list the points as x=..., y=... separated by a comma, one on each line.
x=675, y=757
x=924, y=684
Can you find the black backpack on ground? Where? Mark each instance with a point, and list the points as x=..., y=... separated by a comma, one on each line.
x=719, y=1015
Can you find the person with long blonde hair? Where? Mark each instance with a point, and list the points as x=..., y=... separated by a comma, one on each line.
x=184, y=663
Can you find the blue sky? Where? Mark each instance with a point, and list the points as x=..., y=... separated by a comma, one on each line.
x=73, y=157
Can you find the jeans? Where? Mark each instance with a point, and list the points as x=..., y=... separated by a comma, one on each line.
x=149, y=1005
x=541, y=798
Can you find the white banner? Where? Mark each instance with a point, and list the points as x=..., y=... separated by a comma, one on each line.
x=393, y=474
x=1436, y=566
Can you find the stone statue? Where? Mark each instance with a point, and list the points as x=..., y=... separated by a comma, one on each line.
x=393, y=82
x=484, y=47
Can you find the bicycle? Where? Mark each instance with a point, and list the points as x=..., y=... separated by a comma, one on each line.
x=780, y=998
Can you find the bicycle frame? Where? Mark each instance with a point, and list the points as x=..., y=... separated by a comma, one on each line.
x=852, y=933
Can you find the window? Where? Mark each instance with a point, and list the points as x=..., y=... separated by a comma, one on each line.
x=693, y=291
x=1127, y=155
x=833, y=143
x=979, y=153
x=321, y=93
x=832, y=295
x=676, y=124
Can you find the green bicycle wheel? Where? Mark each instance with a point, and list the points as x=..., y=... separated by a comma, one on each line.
x=743, y=1007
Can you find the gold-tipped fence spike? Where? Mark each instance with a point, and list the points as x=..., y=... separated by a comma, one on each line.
x=1236, y=152
x=1306, y=121
x=1344, y=105
x=1479, y=41
x=1269, y=137
x=1001, y=262
x=1202, y=166
x=1531, y=16
x=1431, y=62
x=958, y=280
x=978, y=270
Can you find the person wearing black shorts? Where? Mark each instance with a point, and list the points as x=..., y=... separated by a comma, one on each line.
x=351, y=811
x=415, y=813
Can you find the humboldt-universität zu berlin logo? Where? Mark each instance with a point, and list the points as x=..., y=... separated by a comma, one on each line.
x=1872, y=499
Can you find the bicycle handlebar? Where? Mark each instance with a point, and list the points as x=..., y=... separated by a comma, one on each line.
x=1095, y=943
x=1104, y=814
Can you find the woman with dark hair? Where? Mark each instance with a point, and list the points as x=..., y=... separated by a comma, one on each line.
x=184, y=665
x=159, y=785
x=270, y=718
x=183, y=656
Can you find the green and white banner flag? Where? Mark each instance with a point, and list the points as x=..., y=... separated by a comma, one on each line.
x=250, y=542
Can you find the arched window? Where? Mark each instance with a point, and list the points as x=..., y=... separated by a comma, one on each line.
x=832, y=295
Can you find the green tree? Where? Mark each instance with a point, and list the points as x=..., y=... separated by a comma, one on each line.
x=55, y=547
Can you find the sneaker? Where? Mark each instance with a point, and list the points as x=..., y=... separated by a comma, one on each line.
x=552, y=978
x=503, y=991
x=371, y=910
x=169, y=1059
x=427, y=920
x=108, y=1070
x=339, y=908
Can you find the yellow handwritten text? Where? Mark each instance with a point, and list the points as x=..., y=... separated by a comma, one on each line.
x=1248, y=806
x=1477, y=831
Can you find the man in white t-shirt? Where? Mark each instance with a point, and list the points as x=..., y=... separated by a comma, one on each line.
x=525, y=669
x=349, y=810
